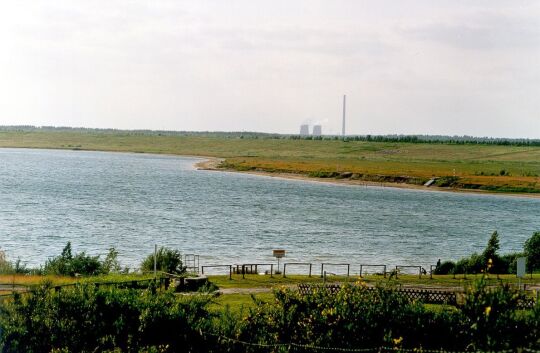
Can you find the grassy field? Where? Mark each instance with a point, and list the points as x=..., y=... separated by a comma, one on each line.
x=236, y=302
x=483, y=167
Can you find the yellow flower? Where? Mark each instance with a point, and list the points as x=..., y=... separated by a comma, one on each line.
x=397, y=341
x=487, y=310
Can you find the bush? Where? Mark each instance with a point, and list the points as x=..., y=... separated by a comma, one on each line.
x=68, y=264
x=508, y=262
x=90, y=319
x=168, y=260
x=445, y=268
x=356, y=317
x=352, y=318
x=491, y=319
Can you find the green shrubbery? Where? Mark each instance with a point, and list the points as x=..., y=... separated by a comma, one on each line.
x=491, y=262
x=168, y=260
x=67, y=264
x=86, y=318
x=90, y=319
x=355, y=317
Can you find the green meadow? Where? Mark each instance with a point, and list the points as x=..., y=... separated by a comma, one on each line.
x=488, y=167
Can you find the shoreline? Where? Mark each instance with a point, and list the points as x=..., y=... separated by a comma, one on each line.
x=212, y=164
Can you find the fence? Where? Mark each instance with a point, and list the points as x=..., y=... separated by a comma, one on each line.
x=297, y=264
x=368, y=265
x=427, y=296
x=333, y=264
x=218, y=266
x=251, y=269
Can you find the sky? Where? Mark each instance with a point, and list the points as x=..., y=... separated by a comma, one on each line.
x=407, y=67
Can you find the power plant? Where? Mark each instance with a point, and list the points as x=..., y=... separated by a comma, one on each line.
x=317, y=130
x=304, y=130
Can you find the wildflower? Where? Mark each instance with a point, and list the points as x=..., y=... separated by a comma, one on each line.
x=397, y=341
x=487, y=310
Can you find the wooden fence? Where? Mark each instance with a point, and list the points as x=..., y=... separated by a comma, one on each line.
x=427, y=296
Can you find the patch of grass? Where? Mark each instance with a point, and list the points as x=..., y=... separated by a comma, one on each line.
x=238, y=302
x=265, y=281
x=31, y=280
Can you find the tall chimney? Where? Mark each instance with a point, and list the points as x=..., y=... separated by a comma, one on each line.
x=343, y=126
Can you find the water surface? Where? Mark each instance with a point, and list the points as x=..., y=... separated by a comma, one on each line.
x=99, y=200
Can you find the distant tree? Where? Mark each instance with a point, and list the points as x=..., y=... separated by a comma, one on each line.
x=111, y=263
x=532, y=251
x=489, y=256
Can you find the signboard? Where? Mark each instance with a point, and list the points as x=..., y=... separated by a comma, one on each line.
x=521, y=267
x=279, y=253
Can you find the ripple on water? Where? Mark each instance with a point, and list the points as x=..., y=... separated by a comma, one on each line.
x=98, y=200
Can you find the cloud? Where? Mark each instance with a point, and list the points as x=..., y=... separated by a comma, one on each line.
x=482, y=30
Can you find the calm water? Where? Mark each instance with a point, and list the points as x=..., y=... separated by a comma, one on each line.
x=131, y=201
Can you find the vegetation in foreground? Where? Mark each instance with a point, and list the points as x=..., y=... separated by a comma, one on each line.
x=457, y=164
x=86, y=318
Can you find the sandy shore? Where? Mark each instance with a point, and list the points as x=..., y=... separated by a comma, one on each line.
x=212, y=164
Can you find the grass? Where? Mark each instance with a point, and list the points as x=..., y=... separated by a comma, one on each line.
x=475, y=166
x=32, y=280
x=265, y=281
x=237, y=303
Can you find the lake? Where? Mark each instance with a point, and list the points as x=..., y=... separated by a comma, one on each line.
x=99, y=200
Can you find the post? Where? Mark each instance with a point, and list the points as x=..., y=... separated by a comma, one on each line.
x=284, y=267
x=230, y=272
x=322, y=270
x=271, y=270
x=360, y=271
x=348, y=269
x=155, y=260
x=384, y=273
x=397, y=272
x=243, y=272
x=420, y=272
x=310, y=270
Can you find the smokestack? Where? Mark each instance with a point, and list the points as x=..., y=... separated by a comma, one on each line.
x=343, y=126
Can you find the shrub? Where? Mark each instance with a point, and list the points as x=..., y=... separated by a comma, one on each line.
x=89, y=319
x=354, y=317
x=168, y=260
x=491, y=318
x=508, y=262
x=445, y=268
x=68, y=265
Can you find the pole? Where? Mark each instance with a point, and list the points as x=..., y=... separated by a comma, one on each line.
x=155, y=260
x=343, y=124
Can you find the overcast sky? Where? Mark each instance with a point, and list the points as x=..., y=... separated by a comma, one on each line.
x=407, y=67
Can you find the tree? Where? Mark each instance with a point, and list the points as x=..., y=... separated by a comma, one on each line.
x=532, y=251
x=490, y=257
